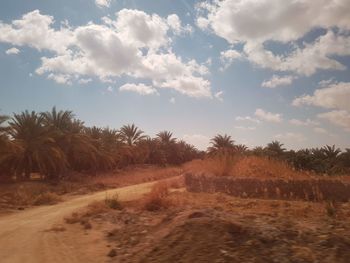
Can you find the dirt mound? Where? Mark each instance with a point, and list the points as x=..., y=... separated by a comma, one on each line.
x=199, y=239
x=213, y=236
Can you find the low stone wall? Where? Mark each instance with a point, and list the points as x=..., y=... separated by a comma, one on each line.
x=310, y=190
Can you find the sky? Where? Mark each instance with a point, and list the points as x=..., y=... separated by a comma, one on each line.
x=256, y=70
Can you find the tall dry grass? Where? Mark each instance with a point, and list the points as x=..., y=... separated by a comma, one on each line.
x=245, y=167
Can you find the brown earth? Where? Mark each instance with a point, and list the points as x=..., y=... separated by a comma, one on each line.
x=39, y=235
x=219, y=228
x=21, y=195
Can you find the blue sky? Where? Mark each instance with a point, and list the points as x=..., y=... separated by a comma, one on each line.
x=256, y=70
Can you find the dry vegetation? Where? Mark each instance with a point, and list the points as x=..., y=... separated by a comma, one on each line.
x=199, y=227
x=24, y=194
x=246, y=167
x=260, y=177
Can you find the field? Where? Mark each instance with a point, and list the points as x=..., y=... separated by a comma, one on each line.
x=246, y=209
x=199, y=227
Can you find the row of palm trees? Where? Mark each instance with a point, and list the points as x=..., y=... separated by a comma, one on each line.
x=53, y=143
x=325, y=160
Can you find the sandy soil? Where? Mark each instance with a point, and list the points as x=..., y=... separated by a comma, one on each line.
x=209, y=228
x=37, y=235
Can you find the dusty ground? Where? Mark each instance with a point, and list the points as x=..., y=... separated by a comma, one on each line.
x=39, y=235
x=19, y=196
x=218, y=228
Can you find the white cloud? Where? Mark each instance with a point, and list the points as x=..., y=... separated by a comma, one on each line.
x=277, y=81
x=172, y=100
x=307, y=122
x=287, y=22
x=103, y=3
x=335, y=96
x=340, y=118
x=60, y=78
x=84, y=81
x=229, y=56
x=134, y=44
x=141, y=29
x=218, y=95
x=268, y=116
x=290, y=136
x=245, y=128
x=34, y=30
x=175, y=24
x=110, y=89
x=141, y=89
x=247, y=118
x=12, y=51
x=251, y=20
x=198, y=140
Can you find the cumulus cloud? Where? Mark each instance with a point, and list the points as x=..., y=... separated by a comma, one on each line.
x=268, y=116
x=103, y=3
x=60, y=78
x=229, y=56
x=135, y=44
x=277, y=81
x=307, y=122
x=175, y=24
x=340, y=118
x=335, y=96
x=245, y=128
x=287, y=22
x=247, y=118
x=35, y=30
x=12, y=51
x=141, y=89
x=237, y=21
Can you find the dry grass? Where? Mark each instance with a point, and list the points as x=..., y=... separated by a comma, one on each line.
x=47, y=198
x=245, y=167
x=157, y=199
x=135, y=175
x=29, y=194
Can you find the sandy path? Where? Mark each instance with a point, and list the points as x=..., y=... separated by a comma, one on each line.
x=24, y=236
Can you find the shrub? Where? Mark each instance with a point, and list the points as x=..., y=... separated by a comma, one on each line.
x=157, y=199
x=47, y=198
x=113, y=202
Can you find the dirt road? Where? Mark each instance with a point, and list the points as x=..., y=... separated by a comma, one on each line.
x=26, y=237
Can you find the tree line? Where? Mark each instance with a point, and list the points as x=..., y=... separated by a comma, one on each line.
x=53, y=143
x=328, y=160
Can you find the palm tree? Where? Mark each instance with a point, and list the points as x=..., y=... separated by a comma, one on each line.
x=221, y=143
x=331, y=152
x=165, y=137
x=3, y=130
x=259, y=151
x=37, y=148
x=94, y=132
x=131, y=134
x=275, y=149
x=241, y=148
x=59, y=121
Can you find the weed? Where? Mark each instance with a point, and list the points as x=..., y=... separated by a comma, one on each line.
x=113, y=202
x=157, y=199
x=331, y=209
